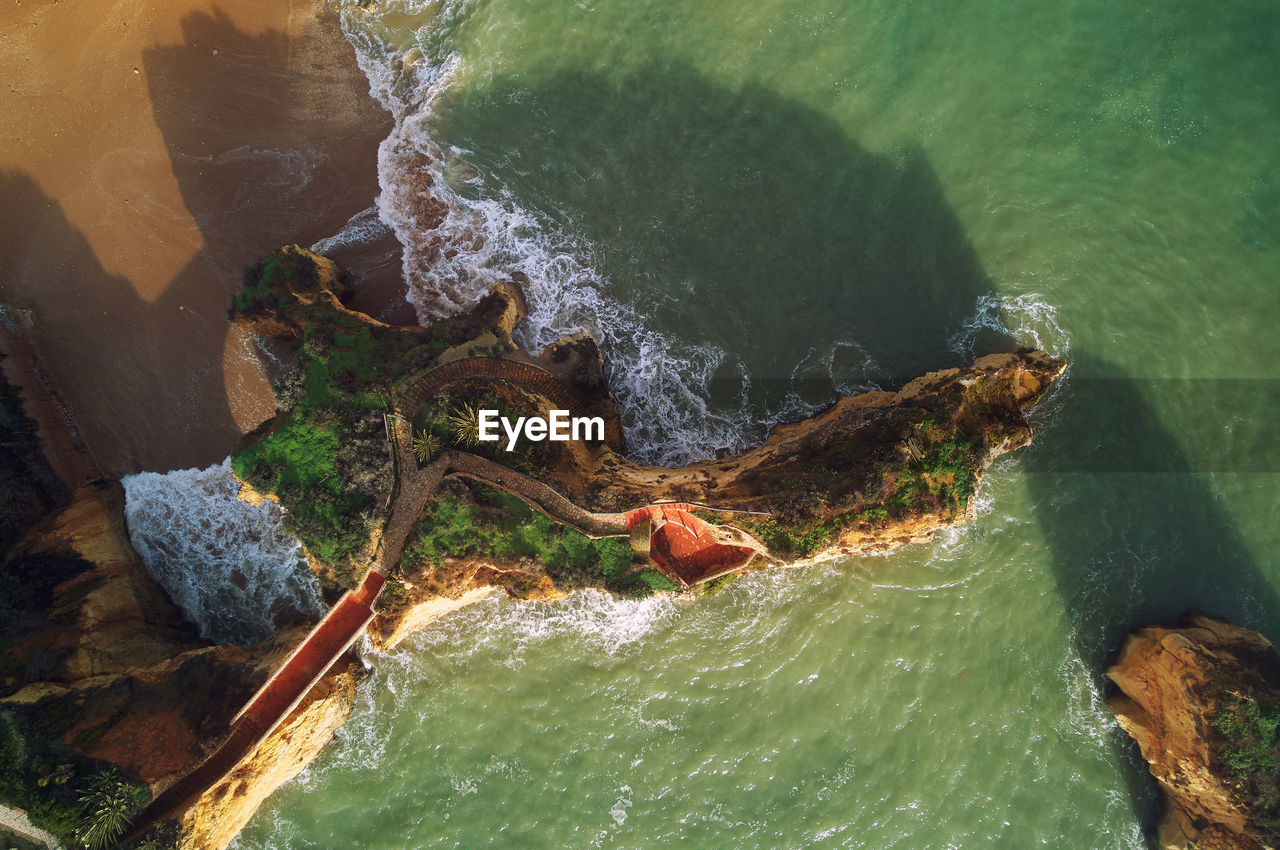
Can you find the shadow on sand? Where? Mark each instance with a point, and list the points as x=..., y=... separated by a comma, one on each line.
x=272, y=141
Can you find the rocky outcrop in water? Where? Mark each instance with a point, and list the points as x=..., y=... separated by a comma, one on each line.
x=1202, y=700
x=869, y=473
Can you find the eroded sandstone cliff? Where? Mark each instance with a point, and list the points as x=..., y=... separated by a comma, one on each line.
x=1202, y=700
x=870, y=473
x=100, y=670
x=223, y=810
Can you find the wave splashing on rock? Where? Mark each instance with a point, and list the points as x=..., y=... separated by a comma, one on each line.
x=229, y=565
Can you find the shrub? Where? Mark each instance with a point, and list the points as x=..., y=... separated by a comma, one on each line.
x=796, y=538
x=500, y=526
x=873, y=516
x=464, y=423
x=108, y=805
x=950, y=467
x=1249, y=747
x=326, y=458
x=425, y=446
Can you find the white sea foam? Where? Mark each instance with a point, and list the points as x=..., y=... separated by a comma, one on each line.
x=1089, y=719
x=619, y=810
x=459, y=241
x=456, y=247
x=230, y=566
x=602, y=621
x=363, y=228
x=1029, y=318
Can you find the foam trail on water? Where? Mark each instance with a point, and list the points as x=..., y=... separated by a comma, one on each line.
x=230, y=566
x=1030, y=319
x=601, y=621
x=363, y=228
x=461, y=236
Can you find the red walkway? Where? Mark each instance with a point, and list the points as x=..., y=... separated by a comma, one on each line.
x=303, y=668
x=684, y=547
x=273, y=702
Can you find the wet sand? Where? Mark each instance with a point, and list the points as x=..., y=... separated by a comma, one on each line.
x=150, y=152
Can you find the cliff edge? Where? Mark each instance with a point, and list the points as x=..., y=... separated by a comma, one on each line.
x=1202, y=700
x=377, y=455
x=99, y=672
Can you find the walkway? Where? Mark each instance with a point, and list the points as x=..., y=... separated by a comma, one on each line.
x=690, y=550
x=15, y=820
x=685, y=548
x=419, y=388
x=276, y=699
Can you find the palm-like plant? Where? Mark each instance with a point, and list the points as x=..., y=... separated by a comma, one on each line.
x=464, y=421
x=914, y=451
x=425, y=445
x=108, y=807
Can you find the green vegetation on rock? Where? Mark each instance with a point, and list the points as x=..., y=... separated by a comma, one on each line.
x=798, y=538
x=325, y=455
x=108, y=805
x=46, y=778
x=1249, y=746
x=937, y=473
x=491, y=525
x=272, y=283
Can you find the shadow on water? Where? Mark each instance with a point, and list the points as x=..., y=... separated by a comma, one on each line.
x=1136, y=535
x=843, y=266
x=670, y=176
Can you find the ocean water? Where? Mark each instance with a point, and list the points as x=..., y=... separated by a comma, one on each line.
x=756, y=208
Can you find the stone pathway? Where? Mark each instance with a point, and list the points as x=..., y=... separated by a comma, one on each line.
x=686, y=548
x=15, y=820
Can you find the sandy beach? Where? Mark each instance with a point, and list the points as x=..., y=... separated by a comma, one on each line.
x=150, y=151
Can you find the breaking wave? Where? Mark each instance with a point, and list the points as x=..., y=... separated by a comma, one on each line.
x=230, y=566
x=459, y=241
x=1030, y=319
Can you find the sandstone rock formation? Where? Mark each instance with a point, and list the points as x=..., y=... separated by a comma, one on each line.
x=223, y=810
x=869, y=473
x=1202, y=701
x=98, y=663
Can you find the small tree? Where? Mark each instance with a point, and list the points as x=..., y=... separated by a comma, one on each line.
x=107, y=805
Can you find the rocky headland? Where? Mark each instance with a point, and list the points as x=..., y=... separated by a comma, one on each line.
x=373, y=454
x=1202, y=700
x=365, y=408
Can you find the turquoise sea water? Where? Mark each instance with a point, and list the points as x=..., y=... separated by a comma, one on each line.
x=759, y=207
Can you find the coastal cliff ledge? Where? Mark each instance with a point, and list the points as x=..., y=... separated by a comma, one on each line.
x=99, y=672
x=374, y=453
x=1202, y=700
